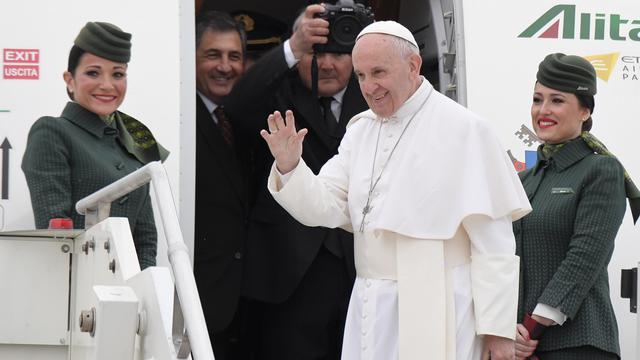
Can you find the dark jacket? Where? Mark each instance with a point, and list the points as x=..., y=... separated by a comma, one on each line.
x=220, y=221
x=566, y=243
x=74, y=155
x=279, y=249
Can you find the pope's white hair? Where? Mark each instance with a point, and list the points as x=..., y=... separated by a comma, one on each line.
x=402, y=47
x=399, y=46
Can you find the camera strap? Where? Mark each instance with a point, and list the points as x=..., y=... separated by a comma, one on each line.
x=314, y=76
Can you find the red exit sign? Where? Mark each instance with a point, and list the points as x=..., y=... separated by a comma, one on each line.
x=21, y=64
x=21, y=56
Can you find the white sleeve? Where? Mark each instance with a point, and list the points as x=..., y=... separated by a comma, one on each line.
x=550, y=312
x=288, y=55
x=315, y=200
x=490, y=236
x=281, y=179
x=488, y=239
x=494, y=274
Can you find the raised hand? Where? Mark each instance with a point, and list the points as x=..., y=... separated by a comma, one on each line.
x=309, y=31
x=285, y=143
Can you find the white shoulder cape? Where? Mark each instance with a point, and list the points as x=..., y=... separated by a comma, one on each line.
x=465, y=171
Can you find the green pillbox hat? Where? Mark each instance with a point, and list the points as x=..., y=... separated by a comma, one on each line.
x=106, y=41
x=568, y=73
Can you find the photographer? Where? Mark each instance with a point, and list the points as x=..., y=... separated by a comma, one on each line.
x=301, y=277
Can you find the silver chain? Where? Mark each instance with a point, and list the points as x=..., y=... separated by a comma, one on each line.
x=372, y=185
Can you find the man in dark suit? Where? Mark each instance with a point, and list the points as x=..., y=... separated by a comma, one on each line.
x=221, y=185
x=300, y=276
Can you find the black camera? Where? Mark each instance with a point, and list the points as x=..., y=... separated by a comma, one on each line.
x=346, y=20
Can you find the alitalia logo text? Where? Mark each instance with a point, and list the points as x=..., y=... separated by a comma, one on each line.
x=563, y=22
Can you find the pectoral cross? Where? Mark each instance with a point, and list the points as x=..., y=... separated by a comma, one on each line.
x=365, y=210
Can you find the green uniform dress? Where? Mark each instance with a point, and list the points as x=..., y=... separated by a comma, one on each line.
x=76, y=154
x=565, y=245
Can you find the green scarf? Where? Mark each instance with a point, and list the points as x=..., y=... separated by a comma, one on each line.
x=549, y=149
x=137, y=138
x=632, y=192
x=108, y=119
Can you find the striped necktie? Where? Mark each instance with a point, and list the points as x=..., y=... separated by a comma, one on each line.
x=225, y=125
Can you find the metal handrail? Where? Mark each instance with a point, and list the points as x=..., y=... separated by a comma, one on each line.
x=96, y=206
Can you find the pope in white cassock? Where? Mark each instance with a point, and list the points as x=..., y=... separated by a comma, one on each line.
x=430, y=195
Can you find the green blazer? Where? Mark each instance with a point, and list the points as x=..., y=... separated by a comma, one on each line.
x=72, y=156
x=566, y=242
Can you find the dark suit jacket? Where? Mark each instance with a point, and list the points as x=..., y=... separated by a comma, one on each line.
x=566, y=242
x=74, y=155
x=220, y=221
x=279, y=249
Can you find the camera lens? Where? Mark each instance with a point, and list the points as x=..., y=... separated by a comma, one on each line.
x=345, y=29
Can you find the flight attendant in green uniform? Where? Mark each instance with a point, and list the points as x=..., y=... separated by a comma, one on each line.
x=92, y=144
x=577, y=190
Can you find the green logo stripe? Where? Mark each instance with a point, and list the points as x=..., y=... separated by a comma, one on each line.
x=568, y=26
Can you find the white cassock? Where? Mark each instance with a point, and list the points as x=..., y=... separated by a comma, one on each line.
x=435, y=262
